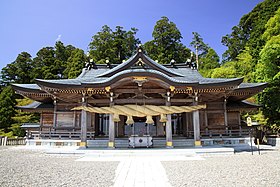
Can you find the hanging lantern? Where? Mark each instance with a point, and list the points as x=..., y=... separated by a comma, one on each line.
x=116, y=118
x=163, y=118
x=150, y=120
x=129, y=120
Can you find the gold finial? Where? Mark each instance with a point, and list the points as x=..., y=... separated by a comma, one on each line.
x=172, y=88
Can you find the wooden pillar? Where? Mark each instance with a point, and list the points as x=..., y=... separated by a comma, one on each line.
x=184, y=127
x=196, y=123
x=93, y=122
x=206, y=122
x=168, y=125
x=112, y=131
x=239, y=124
x=111, y=143
x=168, y=129
x=225, y=116
x=74, y=118
x=54, y=112
x=84, y=122
x=41, y=126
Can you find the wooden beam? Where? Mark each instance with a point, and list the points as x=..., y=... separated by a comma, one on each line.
x=136, y=90
x=129, y=100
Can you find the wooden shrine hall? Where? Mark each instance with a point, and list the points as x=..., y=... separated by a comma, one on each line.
x=138, y=103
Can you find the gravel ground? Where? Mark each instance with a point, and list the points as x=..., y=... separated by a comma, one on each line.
x=19, y=167
x=22, y=167
x=241, y=169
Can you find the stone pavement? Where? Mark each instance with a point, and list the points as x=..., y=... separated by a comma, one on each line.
x=142, y=168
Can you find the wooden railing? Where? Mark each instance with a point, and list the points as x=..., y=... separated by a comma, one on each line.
x=5, y=141
x=59, y=135
x=221, y=133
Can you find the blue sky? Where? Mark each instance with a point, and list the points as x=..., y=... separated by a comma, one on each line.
x=29, y=25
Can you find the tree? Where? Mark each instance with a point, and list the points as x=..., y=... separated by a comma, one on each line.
x=198, y=44
x=16, y=72
x=7, y=111
x=22, y=117
x=166, y=44
x=249, y=31
x=206, y=57
x=272, y=26
x=268, y=70
x=61, y=54
x=245, y=65
x=209, y=62
x=75, y=64
x=115, y=46
x=45, y=67
x=226, y=71
x=51, y=62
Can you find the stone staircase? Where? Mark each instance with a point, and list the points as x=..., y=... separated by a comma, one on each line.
x=180, y=142
x=157, y=143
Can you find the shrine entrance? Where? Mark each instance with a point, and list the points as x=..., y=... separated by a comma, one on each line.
x=140, y=134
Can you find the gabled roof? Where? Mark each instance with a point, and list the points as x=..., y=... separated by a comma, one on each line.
x=147, y=63
x=140, y=65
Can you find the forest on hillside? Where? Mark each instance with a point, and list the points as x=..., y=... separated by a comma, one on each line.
x=253, y=52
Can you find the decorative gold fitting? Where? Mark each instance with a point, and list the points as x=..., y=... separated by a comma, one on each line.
x=108, y=88
x=111, y=144
x=169, y=144
x=197, y=143
x=172, y=88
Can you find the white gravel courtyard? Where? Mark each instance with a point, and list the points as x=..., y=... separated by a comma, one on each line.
x=22, y=167
x=242, y=169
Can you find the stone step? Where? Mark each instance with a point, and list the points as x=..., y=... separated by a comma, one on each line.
x=123, y=143
x=104, y=143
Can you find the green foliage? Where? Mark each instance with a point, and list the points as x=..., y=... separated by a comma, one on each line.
x=249, y=31
x=75, y=64
x=7, y=110
x=51, y=62
x=245, y=65
x=210, y=60
x=166, y=44
x=268, y=70
x=17, y=70
x=272, y=26
x=197, y=43
x=226, y=71
x=269, y=63
x=115, y=45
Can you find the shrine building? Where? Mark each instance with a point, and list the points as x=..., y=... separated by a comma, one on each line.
x=138, y=103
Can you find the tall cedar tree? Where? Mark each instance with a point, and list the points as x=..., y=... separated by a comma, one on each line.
x=166, y=44
x=114, y=46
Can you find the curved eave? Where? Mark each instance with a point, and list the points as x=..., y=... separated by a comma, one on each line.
x=32, y=93
x=59, y=84
x=25, y=88
x=251, y=86
x=37, y=107
x=245, y=92
x=219, y=84
x=108, y=81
